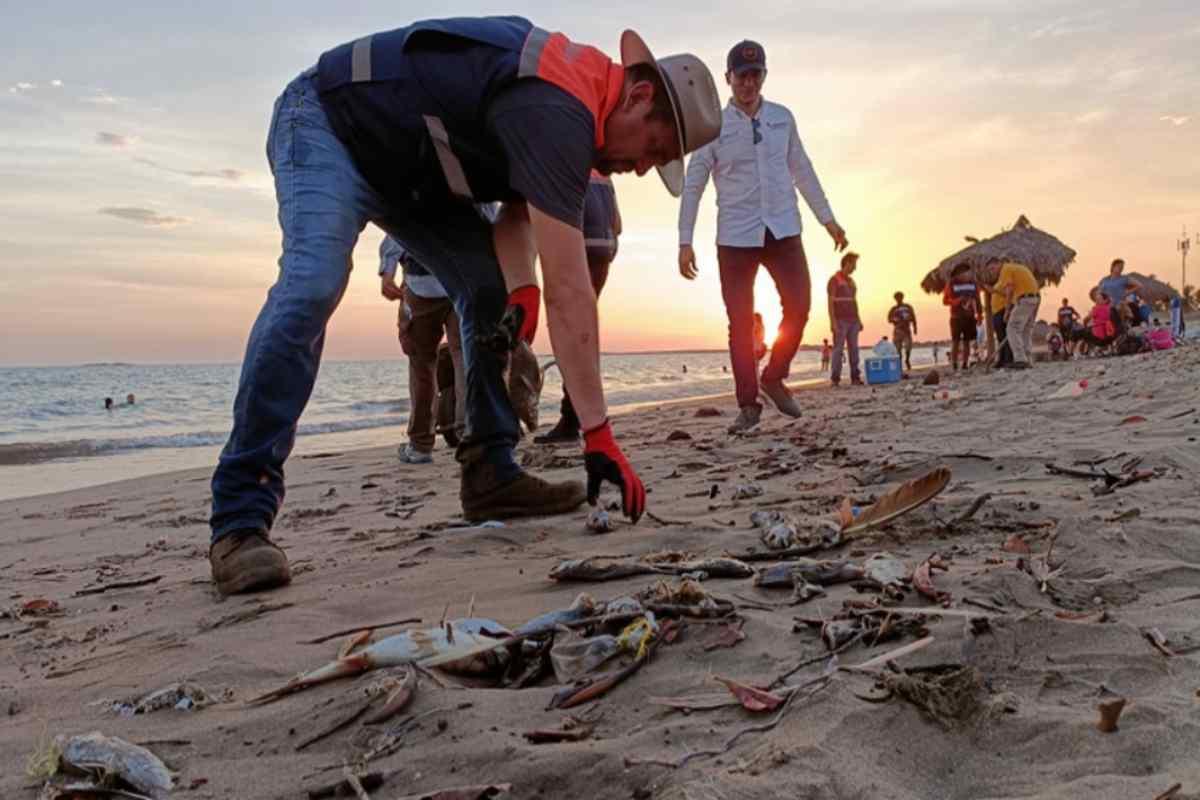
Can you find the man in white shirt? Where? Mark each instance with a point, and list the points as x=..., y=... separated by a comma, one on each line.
x=757, y=164
x=425, y=312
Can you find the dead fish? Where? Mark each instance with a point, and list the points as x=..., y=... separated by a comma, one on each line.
x=463, y=645
x=181, y=696
x=598, y=521
x=716, y=567
x=767, y=518
x=780, y=536
x=805, y=591
x=583, y=608
x=107, y=757
x=822, y=573
x=525, y=381
x=837, y=632
x=592, y=569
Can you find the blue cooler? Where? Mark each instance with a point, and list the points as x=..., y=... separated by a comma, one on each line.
x=885, y=369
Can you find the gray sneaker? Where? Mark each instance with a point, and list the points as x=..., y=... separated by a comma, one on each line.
x=782, y=397
x=747, y=418
x=411, y=455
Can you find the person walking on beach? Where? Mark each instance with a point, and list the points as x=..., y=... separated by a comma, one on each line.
x=601, y=229
x=990, y=272
x=844, y=319
x=826, y=354
x=1068, y=319
x=757, y=166
x=966, y=312
x=1018, y=289
x=409, y=129
x=903, y=319
x=425, y=313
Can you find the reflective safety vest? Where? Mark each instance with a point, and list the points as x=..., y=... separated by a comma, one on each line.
x=410, y=104
x=600, y=217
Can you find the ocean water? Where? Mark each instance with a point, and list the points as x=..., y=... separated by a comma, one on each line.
x=56, y=435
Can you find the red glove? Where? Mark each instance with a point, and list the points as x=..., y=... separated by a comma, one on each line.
x=528, y=299
x=604, y=461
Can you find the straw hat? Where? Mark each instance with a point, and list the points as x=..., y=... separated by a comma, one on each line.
x=694, y=100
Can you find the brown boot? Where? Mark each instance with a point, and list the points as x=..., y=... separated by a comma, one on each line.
x=247, y=561
x=781, y=396
x=525, y=496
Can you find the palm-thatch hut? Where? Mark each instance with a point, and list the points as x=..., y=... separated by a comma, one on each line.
x=1022, y=243
x=1153, y=291
x=1044, y=254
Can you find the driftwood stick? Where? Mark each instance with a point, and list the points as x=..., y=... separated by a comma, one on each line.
x=358, y=628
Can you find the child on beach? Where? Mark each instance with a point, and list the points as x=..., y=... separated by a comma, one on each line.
x=1102, y=329
x=826, y=354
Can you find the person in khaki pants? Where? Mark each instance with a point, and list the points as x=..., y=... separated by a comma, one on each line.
x=425, y=313
x=1022, y=298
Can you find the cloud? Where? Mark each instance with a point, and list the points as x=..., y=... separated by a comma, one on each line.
x=56, y=83
x=1093, y=117
x=1176, y=121
x=231, y=175
x=115, y=139
x=102, y=98
x=144, y=216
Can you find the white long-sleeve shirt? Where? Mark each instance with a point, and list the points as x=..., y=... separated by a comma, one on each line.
x=756, y=183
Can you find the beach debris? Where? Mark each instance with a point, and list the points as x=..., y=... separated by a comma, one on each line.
x=767, y=518
x=369, y=783
x=639, y=637
x=708, y=411
x=967, y=515
x=37, y=607
x=922, y=580
x=184, y=696
x=751, y=698
x=726, y=635
x=780, y=537
x=338, y=724
x=470, y=646
x=573, y=656
x=1069, y=389
x=1158, y=640
x=601, y=568
x=1171, y=791
x=947, y=695
x=821, y=573
x=1110, y=714
x=679, y=436
x=746, y=491
x=360, y=628
x=803, y=591
x=705, y=702
x=887, y=573
x=399, y=694
x=896, y=503
x=114, y=765
x=482, y=792
x=1016, y=543
x=932, y=378
x=1132, y=419
x=525, y=381
x=243, y=615
x=572, y=729
x=598, y=521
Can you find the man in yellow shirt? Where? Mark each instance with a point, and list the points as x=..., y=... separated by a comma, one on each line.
x=1017, y=295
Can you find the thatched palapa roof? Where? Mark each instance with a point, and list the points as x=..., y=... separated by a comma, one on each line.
x=1153, y=290
x=1022, y=243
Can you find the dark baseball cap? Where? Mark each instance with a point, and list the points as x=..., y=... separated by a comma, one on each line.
x=746, y=55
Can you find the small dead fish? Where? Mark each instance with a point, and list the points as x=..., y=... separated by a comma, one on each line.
x=821, y=573
x=767, y=518
x=583, y=608
x=716, y=567
x=182, y=696
x=592, y=569
x=462, y=645
x=780, y=536
x=598, y=521
x=525, y=381
x=107, y=757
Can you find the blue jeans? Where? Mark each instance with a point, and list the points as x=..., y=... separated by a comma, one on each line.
x=845, y=336
x=324, y=204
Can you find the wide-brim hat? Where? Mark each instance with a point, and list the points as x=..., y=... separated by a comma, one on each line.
x=693, y=96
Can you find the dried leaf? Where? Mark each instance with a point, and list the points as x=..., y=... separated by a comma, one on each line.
x=727, y=635
x=922, y=581
x=751, y=698
x=899, y=501
x=40, y=607
x=1133, y=419
x=845, y=513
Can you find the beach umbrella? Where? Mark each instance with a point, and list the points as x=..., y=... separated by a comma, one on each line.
x=1044, y=254
x=1153, y=290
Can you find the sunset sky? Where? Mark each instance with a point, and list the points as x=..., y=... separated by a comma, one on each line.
x=137, y=217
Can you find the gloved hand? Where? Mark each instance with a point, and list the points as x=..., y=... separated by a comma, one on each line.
x=520, y=319
x=604, y=461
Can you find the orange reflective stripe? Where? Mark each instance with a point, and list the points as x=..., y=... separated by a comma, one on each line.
x=583, y=71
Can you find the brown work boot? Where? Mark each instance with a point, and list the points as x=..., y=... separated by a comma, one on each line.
x=247, y=561
x=525, y=496
x=782, y=397
x=747, y=418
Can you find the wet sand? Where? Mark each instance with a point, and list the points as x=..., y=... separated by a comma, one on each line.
x=371, y=540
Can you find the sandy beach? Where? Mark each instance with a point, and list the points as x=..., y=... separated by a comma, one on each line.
x=372, y=541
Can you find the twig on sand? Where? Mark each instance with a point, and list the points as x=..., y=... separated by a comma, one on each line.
x=814, y=660
x=336, y=726
x=633, y=761
x=664, y=521
x=129, y=584
x=369, y=782
x=1128, y=480
x=1171, y=792
x=966, y=516
x=357, y=628
x=1091, y=474
x=355, y=784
